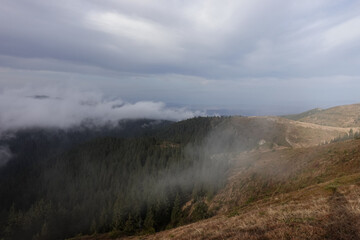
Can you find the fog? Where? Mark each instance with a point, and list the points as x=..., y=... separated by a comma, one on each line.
x=62, y=108
x=214, y=155
x=5, y=155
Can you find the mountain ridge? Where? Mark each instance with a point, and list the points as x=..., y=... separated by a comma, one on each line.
x=339, y=116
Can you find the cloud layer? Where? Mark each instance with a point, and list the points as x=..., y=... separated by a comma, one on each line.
x=221, y=39
x=56, y=107
x=205, y=48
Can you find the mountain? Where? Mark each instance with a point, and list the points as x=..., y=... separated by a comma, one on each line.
x=279, y=132
x=302, y=193
x=299, y=116
x=307, y=193
x=248, y=177
x=340, y=116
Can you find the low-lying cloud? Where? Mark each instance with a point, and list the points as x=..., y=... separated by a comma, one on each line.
x=55, y=107
x=5, y=155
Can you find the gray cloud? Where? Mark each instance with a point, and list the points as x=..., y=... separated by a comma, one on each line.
x=205, y=38
x=207, y=52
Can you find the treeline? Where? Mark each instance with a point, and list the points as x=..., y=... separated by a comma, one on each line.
x=110, y=184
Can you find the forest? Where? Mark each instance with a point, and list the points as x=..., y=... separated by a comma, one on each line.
x=129, y=179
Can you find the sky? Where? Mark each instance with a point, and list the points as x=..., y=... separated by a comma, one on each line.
x=176, y=58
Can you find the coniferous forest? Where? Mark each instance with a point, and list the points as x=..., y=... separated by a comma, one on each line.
x=128, y=179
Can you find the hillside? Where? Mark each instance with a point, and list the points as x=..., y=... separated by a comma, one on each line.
x=146, y=177
x=340, y=116
x=281, y=184
x=267, y=156
x=299, y=116
x=280, y=132
x=307, y=193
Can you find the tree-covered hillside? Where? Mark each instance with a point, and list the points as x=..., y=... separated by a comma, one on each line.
x=61, y=183
x=139, y=177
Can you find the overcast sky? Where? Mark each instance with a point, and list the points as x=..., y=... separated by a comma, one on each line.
x=261, y=57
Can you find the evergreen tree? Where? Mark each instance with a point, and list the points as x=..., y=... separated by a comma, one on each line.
x=200, y=211
x=176, y=211
x=149, y=221
x=129, y=227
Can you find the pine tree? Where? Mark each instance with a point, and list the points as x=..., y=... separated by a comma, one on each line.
x=129, y=225
x=118, y=215
x=149, y=221
x=176, y=211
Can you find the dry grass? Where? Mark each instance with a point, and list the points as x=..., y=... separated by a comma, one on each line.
x=262, y=175
x=284, y=132
x=324, y=215
x=341, y=116
x=311, y=193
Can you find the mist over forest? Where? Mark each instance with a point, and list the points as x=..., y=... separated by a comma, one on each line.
x=202, y=119
x=128, y=177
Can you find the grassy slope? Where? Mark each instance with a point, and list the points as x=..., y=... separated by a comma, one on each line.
x=279, y=131
x=295, y=190
x=299, y=116
x=310, y=193
x=341, y=116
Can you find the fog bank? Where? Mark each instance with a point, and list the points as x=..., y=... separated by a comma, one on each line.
x=56, y=107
